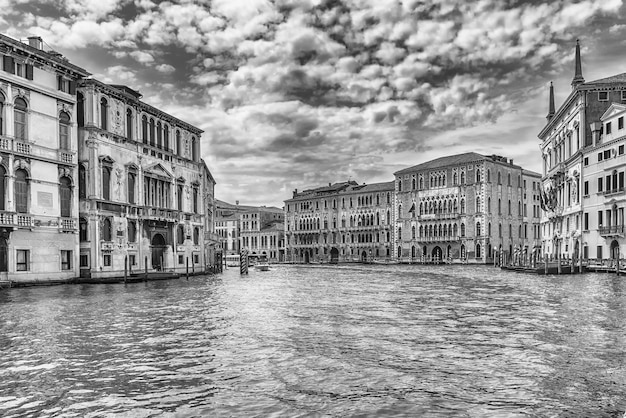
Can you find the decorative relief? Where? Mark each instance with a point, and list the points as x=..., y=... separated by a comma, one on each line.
x=65, y=172
x=19, y=92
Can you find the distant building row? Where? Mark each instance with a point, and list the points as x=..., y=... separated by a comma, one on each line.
x=466, y=207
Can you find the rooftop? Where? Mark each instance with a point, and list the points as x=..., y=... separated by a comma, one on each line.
x=457, y=159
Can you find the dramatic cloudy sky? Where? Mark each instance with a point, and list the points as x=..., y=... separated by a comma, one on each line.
x=299, y=93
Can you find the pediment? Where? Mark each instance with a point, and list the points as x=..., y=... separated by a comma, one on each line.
x=613, y=110
x=158, y=170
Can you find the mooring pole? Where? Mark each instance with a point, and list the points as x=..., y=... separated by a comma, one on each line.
x=187, y=268
x=145, y=275
x=125, y=268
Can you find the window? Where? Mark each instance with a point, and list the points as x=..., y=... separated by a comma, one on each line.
x=65, y=197
x=1, y=114
x=84, y=260
x=152, y=131
x=179, y=150
x=64, y=130
x=106, y=183
x=586, y=221
x=106, y=229
x=620, y=150
x=603, y=96
x=477, y=175
x=586, y=188
x=159, y=133
x=132, y=231
x=179, y=197
x=166, y=137
x=131, y=187
x=129, y=124
x=82, y=230
x=181, y=259
x=80, y=109
x=144, y=129
x=196, y=235
x=620, y=121
x=106, y=260
x=586, y=161
x=180, y=235
x=399, y=185
x=2, y=187
x=82, y=182
x=66, y=259
x=21, y=191
x=103, y=113
x=22, y=260
x=600, y=184
x=462, y=177
x=20, y=122
x=608, y=128
x=462, y=229
x=194, y=149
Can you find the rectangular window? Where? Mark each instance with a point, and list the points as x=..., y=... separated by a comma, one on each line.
x=196, y=259
x=623, y=94
x=603, y=96
x=586, y=161
x=66, y=259
x=22, y=261
x=181, y=259
x=586, y=188
x=620, y=150
x=607, y=154
x=586, y=221
x=84, y=260
x=599, y=251
x=132, y=260
x=107, y=260
x=599, y=218
x=599, y=156
x=620, y=122
x=599, y=184
x=608, y=128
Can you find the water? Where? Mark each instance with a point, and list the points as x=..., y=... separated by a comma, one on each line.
x=296, y=341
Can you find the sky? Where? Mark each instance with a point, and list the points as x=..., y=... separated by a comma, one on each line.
x=296, y=94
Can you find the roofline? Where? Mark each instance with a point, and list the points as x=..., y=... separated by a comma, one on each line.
x=157, y=112
x=415, y=167
x=44, y=54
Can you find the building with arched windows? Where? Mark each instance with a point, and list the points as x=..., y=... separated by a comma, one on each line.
x=38, y=163
x=466, y=207
x=144, y=198
x=340, y=222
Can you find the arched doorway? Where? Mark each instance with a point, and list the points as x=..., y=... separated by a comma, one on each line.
x=462, y=251
x=614, y=250
x=334, y=255
x=157, y=246
x=436, y=253
x=449, y=251
x=478, y=251
x=364, y=256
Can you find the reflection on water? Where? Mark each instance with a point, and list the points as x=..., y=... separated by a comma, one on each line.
x=343, y=341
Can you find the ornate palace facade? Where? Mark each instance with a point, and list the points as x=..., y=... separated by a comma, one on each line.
x=339, y=222
x=38, y=163
x=466, y=207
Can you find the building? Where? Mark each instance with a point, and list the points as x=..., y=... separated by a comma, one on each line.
x=466, y=207
x=227, y=225
x=566, y=139
x=140, y=184
x=262, y=232
x=340, y=222
x=603, y=197
x=38, y=163
x=212, y=248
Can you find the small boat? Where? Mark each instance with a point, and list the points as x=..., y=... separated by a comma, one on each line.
x=262, y=266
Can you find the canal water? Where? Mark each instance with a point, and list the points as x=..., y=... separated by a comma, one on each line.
x=360, y=340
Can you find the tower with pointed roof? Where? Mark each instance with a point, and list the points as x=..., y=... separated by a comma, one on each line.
x=578, y=68
x=551, y=103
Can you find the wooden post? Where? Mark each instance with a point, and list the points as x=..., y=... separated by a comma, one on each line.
x=187, y=267
x=617, y=262
x=545, y=264
x=162, y=269
x=145, y=276
x=580, y=259
x=558, y=263
x=125, y=268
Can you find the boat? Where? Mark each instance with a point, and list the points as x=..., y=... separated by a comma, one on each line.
x=262, y=266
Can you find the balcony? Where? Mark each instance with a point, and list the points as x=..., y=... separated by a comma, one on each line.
x=10, y=144
x=447, y=238
x=610, y=192
x=67, y=224
x=16, y=220
x=439, y=216
x=158, y=214
x=611, y=231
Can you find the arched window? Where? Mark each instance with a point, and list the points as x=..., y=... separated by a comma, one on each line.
x=413, y=232
x=106, y=183
x=152, y=131
x=399, y=185
x=65, y=197
x=179, y=150
x=20, y=124
x=104, y=106
x=180, y=235
x=488, y=175
x=107, y=232
x=399, y=211
x=519, y=208
x=179, y=197
x=159, y=133
x=132, y=231
x=478, y=251
x=131, y=187
x=166, y=137
x=144, y=129
x=194, y=149
x=454, y=179
x=509, y=206
x=489, y=204
x=477, y=204
x=195, y=200
x=413, y=184
x=462, y=205
x=3, y=196
x=508, y=181
x=462, y=178
x=489, y=229
x=478, y=175
x=82, y=182
x=499, y=206
x=80, y=109
x=455, y=230
x=499, y=178
x=129, y=124
x=478, y=231
x=462, y=229
x=21, y=191
x=64, y=130
x=196, y=235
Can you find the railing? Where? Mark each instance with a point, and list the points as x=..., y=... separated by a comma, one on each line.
x=66, y=157
x=437, y=239
x=7, y=218
x=11, y=144
x=158, y=213
x=438, y=216
x=24, y=221
x=67, y=224
x=611, y=230
x=613, y=191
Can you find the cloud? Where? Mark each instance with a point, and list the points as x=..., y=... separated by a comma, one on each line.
x=142, y=57
x=165, y=68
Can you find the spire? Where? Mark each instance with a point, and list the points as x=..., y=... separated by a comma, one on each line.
x=551, y=104
x=578, y=70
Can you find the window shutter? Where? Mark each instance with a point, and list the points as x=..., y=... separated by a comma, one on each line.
x=72, y=87
x=8, y=64
x=29, y=71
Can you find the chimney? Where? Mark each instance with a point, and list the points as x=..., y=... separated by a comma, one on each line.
x=596, y=132
x=330, y=184
x=35, y=42
x=511, y=161
x=237, y=202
